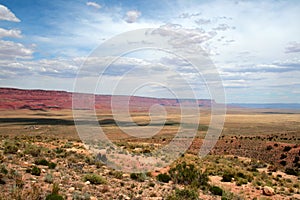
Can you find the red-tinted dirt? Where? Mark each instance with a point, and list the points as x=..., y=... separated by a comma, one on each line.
x=14, y=99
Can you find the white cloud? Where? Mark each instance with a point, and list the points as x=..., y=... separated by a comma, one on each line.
x=222, y=27
x=132, y=16
x=188, y=38
x=202, y=21
x=245, y=55
x=93, y=4
x=6, y=14
x=11, y=50
x=188, y=15
x=293, y=47
x=10, y=33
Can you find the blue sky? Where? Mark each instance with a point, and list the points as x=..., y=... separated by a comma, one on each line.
x=255, y=45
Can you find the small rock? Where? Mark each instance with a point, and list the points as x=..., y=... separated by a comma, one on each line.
x=126, y=175
x=87, y=183
x=56, y=174
x=268, y=191
x=69, y=197
x=71, y=189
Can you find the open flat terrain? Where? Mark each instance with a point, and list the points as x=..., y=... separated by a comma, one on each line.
x=258, y=150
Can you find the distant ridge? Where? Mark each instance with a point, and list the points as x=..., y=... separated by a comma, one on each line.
x=37, y=99
x=267, y=105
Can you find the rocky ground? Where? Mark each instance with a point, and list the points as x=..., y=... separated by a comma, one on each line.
x=49, y=168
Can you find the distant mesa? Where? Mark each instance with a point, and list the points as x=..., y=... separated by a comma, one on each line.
x=43, y=100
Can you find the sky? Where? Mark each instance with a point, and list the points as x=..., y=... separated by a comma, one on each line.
x=253, y=45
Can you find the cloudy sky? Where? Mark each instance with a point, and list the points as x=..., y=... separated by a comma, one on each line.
x=254, y=45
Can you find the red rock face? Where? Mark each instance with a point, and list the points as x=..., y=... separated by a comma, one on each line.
x=14, y=99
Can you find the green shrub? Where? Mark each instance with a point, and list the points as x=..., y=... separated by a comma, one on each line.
x=42, y=162
x=287, y=148
x=2, y=182
x=283, y=163
x=186, y=194
x=163, y=178
x=116, y=174
x=2, y=158
x=55, y=188
x=3, y=170
x=10, y=149
x=269, y=148
x=188, y=175
x=36, y=171
x=94, y=179
x=59, y=150
x=54, y=194
x=283, y=156
x=241, y=175
x=54, y=197
x=33, y=150
x=227, y=177
x=151, y=184
x=51, y=165
x=49, y=178
x=141, y=177
x=28, y=170
x=216, y=190
x=291, y=171
x=241, y=181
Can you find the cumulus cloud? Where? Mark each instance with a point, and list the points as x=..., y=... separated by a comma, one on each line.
x=9, y=49
x=188, y=38
x=189, y=15
x=45, y=67
x=259, y=68
x=6, y=14
x=293, y=47
x=203, y=21
x=222, y=27
x=132, y=16
x=93, y=4
x=14, y=33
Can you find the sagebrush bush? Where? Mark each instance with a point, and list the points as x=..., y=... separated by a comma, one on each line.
x=49, y=178
x=216, y=190
x=36, y=171
x=94, y=179
x=141, y=177
x=51, y=165
x=33, y=150
x=287, y=148
x=269, y=148
x=186, y=194
x=10, y=149
x=116, y=174
x=54, y=197
x=283, y=163
x=54, y=194
x=41, y=162
x=291, y=171
x=227, y=177
x=187, y=174
x=165, y=178
x=3, y=170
